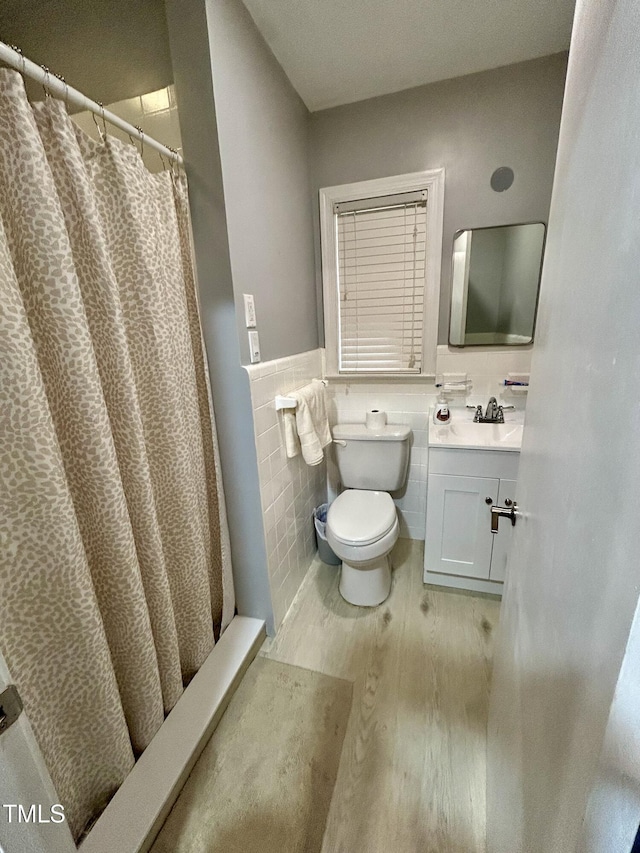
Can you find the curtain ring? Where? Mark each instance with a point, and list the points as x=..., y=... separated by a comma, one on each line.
x=104, y=123
x=101, y=136
x=141, y=132
x=21, y=54
x=66, y=90
x=45, y=81
x=163, y=161
x=174, y=161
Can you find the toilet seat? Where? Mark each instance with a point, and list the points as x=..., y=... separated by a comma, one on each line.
x=360, y=517
x=362, y=528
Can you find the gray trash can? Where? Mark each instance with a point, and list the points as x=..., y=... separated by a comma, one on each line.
x=324, y=549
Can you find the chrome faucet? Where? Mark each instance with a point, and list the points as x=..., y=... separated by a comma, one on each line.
x=494, y=414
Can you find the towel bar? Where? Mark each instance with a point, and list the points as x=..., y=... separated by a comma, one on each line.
x=288, y=402
x=285, y=403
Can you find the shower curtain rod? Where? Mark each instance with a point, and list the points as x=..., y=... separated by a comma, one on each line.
x=58, y=87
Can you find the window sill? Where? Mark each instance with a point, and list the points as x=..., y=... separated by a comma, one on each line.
x=427, y=378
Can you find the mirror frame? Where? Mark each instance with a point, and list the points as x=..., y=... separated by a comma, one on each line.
x=459, y=231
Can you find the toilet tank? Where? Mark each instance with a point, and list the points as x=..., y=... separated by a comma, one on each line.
x=372, y=459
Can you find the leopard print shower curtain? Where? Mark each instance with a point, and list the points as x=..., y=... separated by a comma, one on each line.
x=115, y=574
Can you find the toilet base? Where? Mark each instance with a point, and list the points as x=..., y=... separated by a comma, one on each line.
x=368, y=584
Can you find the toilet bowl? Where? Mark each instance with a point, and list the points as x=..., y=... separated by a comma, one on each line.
x=362, y=528
x=362, y=522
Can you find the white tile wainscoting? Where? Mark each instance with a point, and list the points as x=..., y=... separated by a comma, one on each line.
x=408, y=401
x=487, y=367
x=289, y=489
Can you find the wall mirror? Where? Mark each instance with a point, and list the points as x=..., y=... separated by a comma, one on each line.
x=496, y=278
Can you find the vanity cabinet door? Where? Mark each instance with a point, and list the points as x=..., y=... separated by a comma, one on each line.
x=458, y=537
x=502, y=539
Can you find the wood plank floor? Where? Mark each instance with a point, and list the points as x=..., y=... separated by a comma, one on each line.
x=412, y=772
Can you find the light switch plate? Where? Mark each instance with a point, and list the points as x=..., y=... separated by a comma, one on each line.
x=249, y=311
x=254, y=347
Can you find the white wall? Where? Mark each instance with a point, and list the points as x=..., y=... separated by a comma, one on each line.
x=289, y=488
x=263, y=126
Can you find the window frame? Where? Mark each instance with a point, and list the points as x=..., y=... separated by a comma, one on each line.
x=433, y=182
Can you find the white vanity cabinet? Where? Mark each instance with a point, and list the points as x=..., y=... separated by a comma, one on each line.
x=462, y=485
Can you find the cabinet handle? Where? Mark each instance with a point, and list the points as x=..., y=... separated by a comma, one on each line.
x=508, y=502
x=488, y=501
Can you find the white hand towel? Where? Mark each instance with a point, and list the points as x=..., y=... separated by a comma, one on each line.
x=291, y=440
x=312, y=422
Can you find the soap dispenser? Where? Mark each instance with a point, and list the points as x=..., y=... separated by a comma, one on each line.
x=442, y=412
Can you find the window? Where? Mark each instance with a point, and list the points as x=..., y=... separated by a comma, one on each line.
x=381, y=264
x=381, y=250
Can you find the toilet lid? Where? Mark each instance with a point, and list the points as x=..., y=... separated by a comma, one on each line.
x=358, y=517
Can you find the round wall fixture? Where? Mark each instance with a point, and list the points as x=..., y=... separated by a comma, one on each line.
x=502, y=179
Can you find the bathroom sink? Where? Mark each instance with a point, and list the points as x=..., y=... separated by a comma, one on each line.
x=461, y=433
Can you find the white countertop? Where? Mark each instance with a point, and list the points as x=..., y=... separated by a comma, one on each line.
x=461, y=432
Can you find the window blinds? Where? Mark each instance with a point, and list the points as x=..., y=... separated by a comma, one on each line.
x=381, y=276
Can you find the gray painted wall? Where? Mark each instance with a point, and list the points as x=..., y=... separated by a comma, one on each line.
x=471, y=125
x=189, y=31
x=263, y=126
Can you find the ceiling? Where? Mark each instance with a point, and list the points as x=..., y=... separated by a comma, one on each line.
x=340, y=51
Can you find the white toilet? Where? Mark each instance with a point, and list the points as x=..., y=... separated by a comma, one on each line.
x=362, y=523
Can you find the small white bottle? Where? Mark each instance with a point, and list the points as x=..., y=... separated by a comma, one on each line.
x=442, y=412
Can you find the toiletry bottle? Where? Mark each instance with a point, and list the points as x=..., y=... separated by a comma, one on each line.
x=441, y=413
